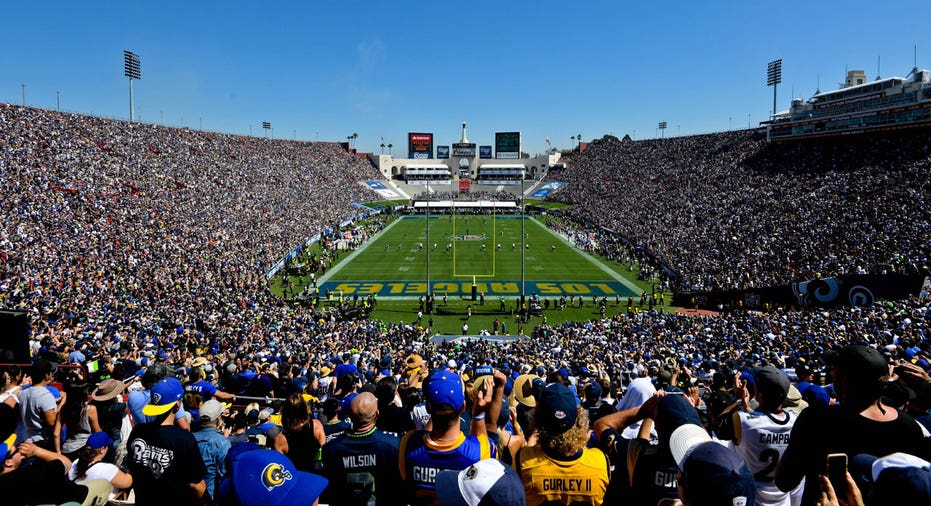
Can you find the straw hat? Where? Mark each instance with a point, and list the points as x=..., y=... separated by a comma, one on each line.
x=523, y=391
x=107, y=389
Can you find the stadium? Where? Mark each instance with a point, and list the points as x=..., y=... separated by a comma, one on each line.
x=294, y=278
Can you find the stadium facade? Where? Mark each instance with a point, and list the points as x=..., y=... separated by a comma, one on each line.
x=466, y=161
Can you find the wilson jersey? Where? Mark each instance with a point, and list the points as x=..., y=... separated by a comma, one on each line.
x=362, y=469
x=579, y=481
x=760, y=439
x=421, y=459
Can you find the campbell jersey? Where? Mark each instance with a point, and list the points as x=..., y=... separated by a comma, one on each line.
x=363, y=469
x=421, y=459
x=760, y=439
x=578, y=480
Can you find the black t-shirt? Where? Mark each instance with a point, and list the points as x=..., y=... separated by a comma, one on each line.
x=164, y=461
x=362, y=468
x=819, y=431
x=40, y=483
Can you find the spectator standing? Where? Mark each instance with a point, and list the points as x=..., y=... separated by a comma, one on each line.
x=859, y=423
x=38, y=407
x=213, y=445
x=164, y=460
x=362, y=463
x=760, y=437
x=106, y=412
x=304, y=434
x=138, y=399
x=332, y=425
x=559, y=469
x=423, y=453
x=346, y=367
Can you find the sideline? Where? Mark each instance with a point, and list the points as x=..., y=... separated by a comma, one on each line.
x=345, y=261
x=591, y=258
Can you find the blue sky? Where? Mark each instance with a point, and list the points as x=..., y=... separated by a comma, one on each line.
x=326, y=69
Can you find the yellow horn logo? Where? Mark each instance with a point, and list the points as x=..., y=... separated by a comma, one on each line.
x=274, y=475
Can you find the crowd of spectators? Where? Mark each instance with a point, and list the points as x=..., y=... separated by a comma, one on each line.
x=139, y=253
x=496, y=196
x=372, y=382
x=729, y=210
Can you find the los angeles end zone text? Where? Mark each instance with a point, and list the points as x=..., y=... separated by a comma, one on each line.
x=483, y=249
x=493, y=288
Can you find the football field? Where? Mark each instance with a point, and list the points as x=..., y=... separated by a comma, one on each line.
x=467, y=249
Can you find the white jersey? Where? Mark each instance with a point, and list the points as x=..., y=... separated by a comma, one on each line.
x=760, y=439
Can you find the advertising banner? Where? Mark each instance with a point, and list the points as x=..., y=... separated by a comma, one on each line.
x=843, y=290
x=484, y=151
x=442, y=151
x=507, y=145
x=463, y=149
x=419, y=145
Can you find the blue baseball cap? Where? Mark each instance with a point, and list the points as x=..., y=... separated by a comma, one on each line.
x=98, y=440
x=165, y=394
x=7, y=446
x=444, y=393
x=556, y=408
x=672, y=412
x=268, y=478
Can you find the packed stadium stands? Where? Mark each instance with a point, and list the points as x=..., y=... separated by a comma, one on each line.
x=142, y=250
x=729, y=210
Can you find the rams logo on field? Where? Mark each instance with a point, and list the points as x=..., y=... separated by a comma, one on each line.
x=274, y=475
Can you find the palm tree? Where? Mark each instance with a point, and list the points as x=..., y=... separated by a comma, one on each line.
x=382, y=147
x=354, y=137
x=389, y=147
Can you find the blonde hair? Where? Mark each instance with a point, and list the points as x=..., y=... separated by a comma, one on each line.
x=568, y=442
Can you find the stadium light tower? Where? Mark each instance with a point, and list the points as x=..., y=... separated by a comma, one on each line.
x=774, y=77
x=266, y=126
x=662, y=128
x=133, y=70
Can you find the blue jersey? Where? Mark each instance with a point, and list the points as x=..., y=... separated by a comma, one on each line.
x=195, y=394
x=421, y=459
x=363, y=469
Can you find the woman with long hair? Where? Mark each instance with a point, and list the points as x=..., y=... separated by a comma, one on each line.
x=90, y=465
x=75, y=419
x=304, y=434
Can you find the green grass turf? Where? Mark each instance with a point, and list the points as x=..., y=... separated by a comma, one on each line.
x=394, y=264
x=565, y=270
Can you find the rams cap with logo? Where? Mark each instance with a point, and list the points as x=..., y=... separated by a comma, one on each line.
x=486, y=483
x=165, y=394
x=268, y=478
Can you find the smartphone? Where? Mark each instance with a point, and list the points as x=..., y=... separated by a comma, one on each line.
x=837, y=473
